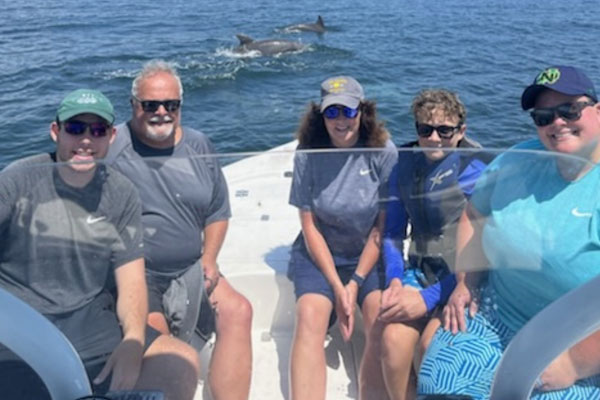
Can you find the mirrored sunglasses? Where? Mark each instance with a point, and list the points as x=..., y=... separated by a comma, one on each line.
x=566, y=111
x=444, y=131
x=153, y=105
x=77, y=128
x=332, y=112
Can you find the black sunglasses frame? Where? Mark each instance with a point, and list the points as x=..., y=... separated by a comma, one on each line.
x=444, y=131
x=171, y=105
x=567, y=111
x=96, y=129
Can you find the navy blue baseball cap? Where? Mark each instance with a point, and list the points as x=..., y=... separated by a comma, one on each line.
x=562, y=79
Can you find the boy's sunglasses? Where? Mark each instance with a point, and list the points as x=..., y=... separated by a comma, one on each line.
x=153, y=105
x=444, y=131
x=566, y=111
x=76, y=128
x=332, y=112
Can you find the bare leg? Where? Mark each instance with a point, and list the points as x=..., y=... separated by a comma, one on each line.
x=432, y=327
x=398, y=346
x=307, y=360
x=158, y=321
x=231, y=362
x=371, y=382
x=171, y=366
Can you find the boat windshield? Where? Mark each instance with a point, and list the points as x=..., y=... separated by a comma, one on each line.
x=528, y=235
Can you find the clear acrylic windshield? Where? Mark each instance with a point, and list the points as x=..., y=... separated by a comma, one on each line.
x=534, y=215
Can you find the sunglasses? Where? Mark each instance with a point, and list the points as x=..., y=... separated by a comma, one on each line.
x=566, y=111
x=76, y=128
x=332, y=112
x=444, y=131
x=153, y=105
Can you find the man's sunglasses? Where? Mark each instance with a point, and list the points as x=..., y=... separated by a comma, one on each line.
x=566, y=111
x=444, y=131
x=332, y=112
x=76, y=128
x=153, y=105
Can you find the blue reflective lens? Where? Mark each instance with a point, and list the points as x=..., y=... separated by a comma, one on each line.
x=333, y=112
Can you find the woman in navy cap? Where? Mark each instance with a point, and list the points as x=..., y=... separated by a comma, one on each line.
x=335, y=259
x=532, y=223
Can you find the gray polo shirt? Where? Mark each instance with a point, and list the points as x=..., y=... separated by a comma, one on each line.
x=182, y=189
x=344, y=190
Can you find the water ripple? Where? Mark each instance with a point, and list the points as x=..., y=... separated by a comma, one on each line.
x=486, y=51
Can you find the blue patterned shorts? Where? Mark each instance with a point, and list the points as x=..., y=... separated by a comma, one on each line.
x=465, y=363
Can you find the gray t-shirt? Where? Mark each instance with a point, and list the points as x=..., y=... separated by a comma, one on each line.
x=182, y=190
x=60, y=245
x=344, y=191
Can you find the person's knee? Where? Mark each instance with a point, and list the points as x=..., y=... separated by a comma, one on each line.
x=370, y=309
x=172, y=366
x=235, y=310
x=397, y=345
x=170, y=346
x=391, y=338
x=188, y=354
x=311, y=318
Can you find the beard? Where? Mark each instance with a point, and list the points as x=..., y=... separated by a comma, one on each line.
x=160, y=128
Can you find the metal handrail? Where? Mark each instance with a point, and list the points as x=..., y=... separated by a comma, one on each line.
x=559, y=326
x=40, y=344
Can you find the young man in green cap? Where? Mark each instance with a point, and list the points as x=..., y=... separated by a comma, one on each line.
x=71, y=239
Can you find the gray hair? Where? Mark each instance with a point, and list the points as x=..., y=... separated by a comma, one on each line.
x=153, y=67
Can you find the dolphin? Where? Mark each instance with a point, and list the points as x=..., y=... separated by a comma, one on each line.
x=267, y=47
x=318, y=27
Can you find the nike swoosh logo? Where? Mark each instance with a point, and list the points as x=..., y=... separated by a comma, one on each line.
x=577, y=213
x=364, y=171
x=91, y=220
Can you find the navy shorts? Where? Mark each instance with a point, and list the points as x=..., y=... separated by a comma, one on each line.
x=308, y=278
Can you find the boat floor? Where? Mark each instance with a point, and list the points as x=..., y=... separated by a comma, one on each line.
x=254, y=258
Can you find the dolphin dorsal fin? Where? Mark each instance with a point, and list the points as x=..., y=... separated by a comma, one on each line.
x=320, y=21
x=244, y=39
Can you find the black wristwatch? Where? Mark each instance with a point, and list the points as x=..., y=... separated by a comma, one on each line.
x=358, y=279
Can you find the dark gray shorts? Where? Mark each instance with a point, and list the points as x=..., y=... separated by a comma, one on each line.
x=180, y=298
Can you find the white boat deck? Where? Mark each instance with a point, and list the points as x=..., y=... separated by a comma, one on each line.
x=254, y=259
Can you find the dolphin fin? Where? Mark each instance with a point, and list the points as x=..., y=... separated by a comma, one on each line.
x=320, y=22
x=244, y=39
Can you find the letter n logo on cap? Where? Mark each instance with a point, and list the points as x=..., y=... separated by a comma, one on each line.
x=548, y=76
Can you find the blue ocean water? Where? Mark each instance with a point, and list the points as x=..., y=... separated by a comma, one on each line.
x=487, y=51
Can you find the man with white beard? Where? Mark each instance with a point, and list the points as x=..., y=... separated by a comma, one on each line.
x=185, y=212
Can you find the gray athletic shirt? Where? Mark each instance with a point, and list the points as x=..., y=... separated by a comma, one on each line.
x=344, y=191
x=59, y=245
x=182, y=190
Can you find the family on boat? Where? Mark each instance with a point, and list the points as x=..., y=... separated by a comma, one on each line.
x=114, y=237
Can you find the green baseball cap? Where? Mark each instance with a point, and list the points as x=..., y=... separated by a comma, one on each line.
x=86, y=101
